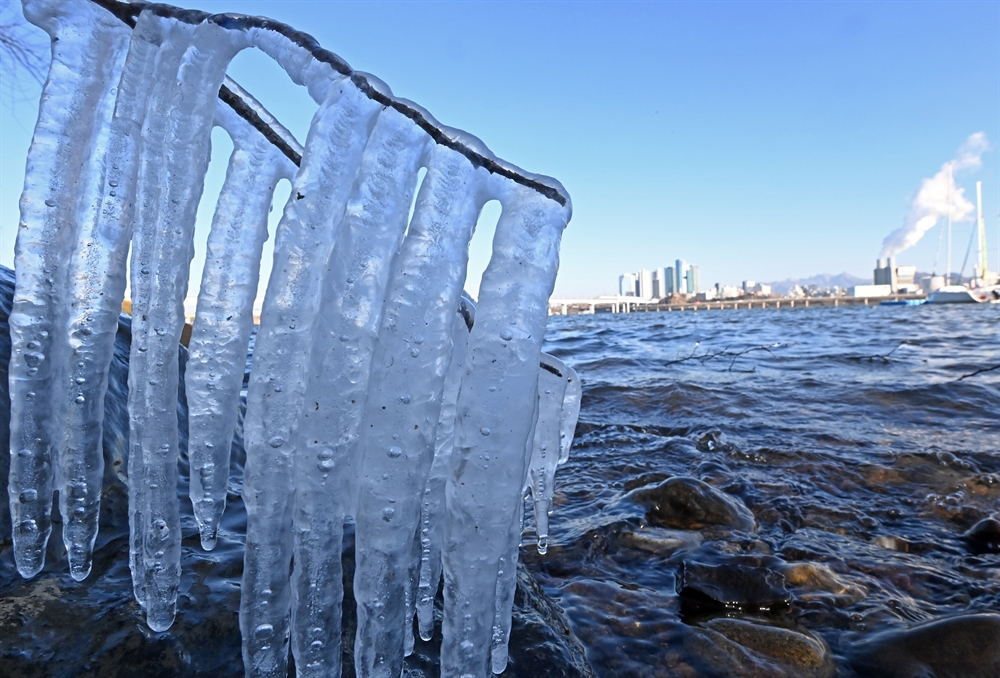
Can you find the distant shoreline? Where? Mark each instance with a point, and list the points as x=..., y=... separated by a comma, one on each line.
x=612, y=306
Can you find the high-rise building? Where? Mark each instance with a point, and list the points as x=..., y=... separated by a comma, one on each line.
x=669, y=285
x=627, y=285
x=680, y=276
x=660, y=283
x=692, y=280
x=645, y=284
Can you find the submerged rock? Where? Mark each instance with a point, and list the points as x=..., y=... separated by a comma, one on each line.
x=818, y=580
x=797, y=653
x=959, y=647
x=660, y=541
x=740, y=649
x=731, y=585
x=984, y=536
x=690, y=504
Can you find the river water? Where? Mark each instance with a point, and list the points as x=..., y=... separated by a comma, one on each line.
x=865, y=441
x=862, y=439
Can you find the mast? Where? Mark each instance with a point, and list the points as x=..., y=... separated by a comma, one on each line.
x=947, y=275
x=981, y=273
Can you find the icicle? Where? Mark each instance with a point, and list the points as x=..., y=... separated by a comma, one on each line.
x=488, y=465
x=545, y=448
x=507, y=571
x=505, y=590
x=570, y=413
x=324, y=466
x=97, y=286
x=62, y=177
x=169, y=197
x=280, y=374
x=149, y=180
x=224, y=319
x=432, y=512
x=404, y=401
x=558, y=407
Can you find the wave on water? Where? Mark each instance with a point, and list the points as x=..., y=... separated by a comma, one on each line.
x=864, y=440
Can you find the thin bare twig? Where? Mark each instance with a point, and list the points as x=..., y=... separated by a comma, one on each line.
x=724, y=353
x=884, y=357
x=979, y=371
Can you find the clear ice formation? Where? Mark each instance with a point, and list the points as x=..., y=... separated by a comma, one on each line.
x=378, y=390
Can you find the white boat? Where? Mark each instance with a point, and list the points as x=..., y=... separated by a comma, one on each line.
x=980, y=291
x=960, y=294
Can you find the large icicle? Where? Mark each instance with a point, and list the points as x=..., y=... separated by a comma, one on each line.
x=543, y=452
x=488, y=464
x=149, y=180
x=545, y=448
x=404, y=402
x=505, y=591
x=507, y=570
x=96, y=287
x=325, y=468
x=61, y=180
x=304, y=241
x=224, y=319
x=159, y=284
x=432, y=512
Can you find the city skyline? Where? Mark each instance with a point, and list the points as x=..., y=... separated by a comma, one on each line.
x=681, y=278
x=793, y=148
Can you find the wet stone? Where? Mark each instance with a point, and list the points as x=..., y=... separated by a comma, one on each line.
x=786, y=652
x=730, y=586
x=983, y=537
x=690, y=504
x=660, y=541
x=959, y=647
x=815, y=580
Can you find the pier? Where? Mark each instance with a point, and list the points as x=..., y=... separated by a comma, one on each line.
x=637, y=305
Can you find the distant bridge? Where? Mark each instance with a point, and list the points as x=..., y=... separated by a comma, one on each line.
x=622, y=304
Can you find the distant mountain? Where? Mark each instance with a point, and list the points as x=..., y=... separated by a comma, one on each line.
x=842, y=280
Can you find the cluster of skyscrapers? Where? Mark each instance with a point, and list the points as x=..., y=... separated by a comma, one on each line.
x=681, y=278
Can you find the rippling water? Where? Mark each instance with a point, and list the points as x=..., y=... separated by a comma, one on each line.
x=856, y=436
x=863, y=440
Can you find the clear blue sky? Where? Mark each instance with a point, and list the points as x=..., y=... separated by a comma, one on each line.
x=760, y=140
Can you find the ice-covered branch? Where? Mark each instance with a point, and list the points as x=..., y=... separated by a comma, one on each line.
x=369, y=397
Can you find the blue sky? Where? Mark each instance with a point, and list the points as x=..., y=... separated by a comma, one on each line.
x=759, y=140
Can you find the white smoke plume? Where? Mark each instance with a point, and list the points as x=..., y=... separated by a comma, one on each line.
x=937, y=198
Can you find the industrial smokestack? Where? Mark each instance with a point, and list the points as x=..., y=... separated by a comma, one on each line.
x=937, y=198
